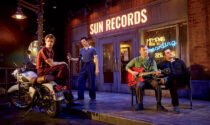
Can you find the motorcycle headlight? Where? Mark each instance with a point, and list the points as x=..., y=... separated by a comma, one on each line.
x=14, y=73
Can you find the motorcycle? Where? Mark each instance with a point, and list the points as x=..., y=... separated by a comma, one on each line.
x=48, y=95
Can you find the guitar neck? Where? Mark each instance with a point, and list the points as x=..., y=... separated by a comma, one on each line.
x=146, y=73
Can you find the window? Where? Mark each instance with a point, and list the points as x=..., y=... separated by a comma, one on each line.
x=158, y=39
x=76, y=48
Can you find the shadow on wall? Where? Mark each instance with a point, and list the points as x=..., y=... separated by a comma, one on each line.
x=198, y=73
x=200, y=82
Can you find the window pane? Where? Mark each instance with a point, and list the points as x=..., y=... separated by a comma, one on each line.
x=108, y=63
x=125, y=57
x=76, y=48
x=158, y=39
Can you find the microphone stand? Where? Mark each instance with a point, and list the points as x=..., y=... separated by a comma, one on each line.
x=69, y=76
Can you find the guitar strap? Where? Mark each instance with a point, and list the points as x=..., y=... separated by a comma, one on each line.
x=150, y=63
x=148, y=69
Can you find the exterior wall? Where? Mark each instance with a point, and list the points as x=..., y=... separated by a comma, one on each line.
x=199, y=27
x=199, y=12
x=162, y=13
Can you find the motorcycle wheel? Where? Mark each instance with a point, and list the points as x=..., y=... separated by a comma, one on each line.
x=19, y=98
x=52, y=107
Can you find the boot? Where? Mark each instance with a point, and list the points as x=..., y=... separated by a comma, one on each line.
x=176, y=109
x=69, y=97
x=33, y=81
x=139, y=107
x=161, y=108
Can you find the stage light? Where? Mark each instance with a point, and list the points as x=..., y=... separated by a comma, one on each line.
x=19, y=14
x=38, y=9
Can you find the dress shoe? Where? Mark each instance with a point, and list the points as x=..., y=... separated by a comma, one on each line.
x=80, y=99
x=139, y=107
x=161, y=108
x=71, y=104
x=93, y=99
x=176, y=110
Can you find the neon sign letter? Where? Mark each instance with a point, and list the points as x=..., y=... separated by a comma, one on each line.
x=137, y=17
x=96, y=28
x=118, y=22
x=130, y=19
x=162, y=46
x=144, y=19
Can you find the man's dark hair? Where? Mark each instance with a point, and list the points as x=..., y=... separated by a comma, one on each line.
x=84, y=38
x=141, y=46
x=165, y=50
x=51, y=36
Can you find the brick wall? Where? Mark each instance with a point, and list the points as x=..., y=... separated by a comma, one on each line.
x=112, y=7
x=199, y=26
x=208, y=18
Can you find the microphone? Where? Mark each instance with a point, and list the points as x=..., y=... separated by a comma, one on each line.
x=69, y=56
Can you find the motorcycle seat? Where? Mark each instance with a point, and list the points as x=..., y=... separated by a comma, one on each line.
x=43, y=79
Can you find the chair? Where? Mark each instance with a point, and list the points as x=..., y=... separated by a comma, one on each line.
x=133, y=93
x=163, y=87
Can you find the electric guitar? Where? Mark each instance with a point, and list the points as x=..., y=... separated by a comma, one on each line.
x=139, y=77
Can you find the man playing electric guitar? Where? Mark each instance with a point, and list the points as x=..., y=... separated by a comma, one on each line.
x=149, y=65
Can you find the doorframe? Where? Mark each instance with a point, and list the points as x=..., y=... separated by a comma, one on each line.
x=111, y=87
x=116, y=86
x=132, y=36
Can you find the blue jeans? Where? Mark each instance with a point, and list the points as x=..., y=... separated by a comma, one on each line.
x=87, y=72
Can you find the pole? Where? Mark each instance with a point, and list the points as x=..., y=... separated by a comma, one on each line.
x=69, y=64
x=40, y=24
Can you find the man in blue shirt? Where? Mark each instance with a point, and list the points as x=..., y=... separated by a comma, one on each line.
x=87, y=55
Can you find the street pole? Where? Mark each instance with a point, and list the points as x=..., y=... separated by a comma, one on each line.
x=40, y=24
x=38, y=9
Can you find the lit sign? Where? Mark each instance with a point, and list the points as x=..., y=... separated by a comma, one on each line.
x=155, y=41
x=160, y=54
x=118, y=22
x=162, y=46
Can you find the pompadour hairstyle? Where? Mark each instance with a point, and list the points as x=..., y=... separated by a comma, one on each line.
x=51, y=36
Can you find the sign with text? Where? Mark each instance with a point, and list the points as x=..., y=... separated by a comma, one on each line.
x=158, y=39
x=118, y=22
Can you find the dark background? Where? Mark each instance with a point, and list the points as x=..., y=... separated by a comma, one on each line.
x=16, y=35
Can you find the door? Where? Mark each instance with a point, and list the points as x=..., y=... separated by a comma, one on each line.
x=107, y=64
x=126, y=47
x=115, y=53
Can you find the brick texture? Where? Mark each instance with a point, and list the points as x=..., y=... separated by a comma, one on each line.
x=199, y=22
x=198, y=27
x=113, y=7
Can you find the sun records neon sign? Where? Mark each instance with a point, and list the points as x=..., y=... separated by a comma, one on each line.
x=125, y=20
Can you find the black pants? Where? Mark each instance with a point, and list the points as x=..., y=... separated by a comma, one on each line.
x=140, y=86
x=173, y=83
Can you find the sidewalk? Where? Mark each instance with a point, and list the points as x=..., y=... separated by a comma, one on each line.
x=115, y=108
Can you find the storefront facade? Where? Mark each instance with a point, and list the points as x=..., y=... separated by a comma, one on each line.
x=158, y=24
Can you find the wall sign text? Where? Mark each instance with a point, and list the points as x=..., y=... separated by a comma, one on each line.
x=118, y=22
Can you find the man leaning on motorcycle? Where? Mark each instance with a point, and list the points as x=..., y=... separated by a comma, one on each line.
x=49, y=70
